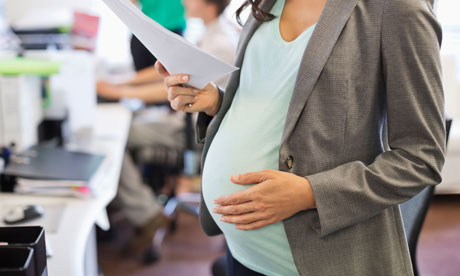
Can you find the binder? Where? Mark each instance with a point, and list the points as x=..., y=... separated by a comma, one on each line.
x=45, y=163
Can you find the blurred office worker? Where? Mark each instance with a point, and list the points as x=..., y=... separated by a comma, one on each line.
x=135, y=198
x=335, y=118
x=169, y=14
x=220, y=38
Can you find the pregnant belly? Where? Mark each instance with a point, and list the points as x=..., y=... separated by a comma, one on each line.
x=251, y=247
x=228, y=157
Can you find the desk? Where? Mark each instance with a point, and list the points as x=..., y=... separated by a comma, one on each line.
x=75, y=231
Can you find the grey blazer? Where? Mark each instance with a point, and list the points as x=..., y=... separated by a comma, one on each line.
x=365, y=126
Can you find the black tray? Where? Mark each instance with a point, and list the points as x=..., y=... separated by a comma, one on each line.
x=17, y=261
x=28, y=236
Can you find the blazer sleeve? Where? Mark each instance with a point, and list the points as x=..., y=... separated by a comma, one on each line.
x=204, y=120
x=353, y=192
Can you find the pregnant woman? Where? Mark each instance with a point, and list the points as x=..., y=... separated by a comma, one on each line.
x=335, y=118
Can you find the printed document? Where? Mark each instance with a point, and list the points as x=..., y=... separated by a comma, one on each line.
x=177, y=55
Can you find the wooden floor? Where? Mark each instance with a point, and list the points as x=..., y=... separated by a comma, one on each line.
x=439, y=244
x=189, y=252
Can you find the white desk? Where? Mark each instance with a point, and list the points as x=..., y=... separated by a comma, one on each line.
x=79, y=216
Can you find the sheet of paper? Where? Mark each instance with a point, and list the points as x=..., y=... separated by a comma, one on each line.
x=177, y=54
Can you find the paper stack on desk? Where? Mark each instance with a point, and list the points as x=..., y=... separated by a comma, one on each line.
x=53, y=187
x=176, y=54
x=54, y=171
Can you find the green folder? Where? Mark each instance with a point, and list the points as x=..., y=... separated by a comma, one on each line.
x=28, y=66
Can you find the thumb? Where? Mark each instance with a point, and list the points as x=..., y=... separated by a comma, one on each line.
x=252, y=177
x=161, y=69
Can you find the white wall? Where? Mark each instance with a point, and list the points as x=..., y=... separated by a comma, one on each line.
x=113, y=39
x=448, y=15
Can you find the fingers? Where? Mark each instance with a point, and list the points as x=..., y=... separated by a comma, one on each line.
x=174, y=80
x=254, y=225
x=181, y=103
x=253, y=177
x=175, y=91
x=248, y=218
x=236, y=209
x=236, y=198
x=160, y=69
x=171, y=80
x=181, y=97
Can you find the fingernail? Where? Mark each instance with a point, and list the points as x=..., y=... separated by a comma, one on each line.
x=214, y=210
x=222, y=218
x=185, y=78
x=196, y=98
x=235, y=178
x=195, y=91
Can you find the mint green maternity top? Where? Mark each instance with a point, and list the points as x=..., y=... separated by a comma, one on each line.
x=249, y=140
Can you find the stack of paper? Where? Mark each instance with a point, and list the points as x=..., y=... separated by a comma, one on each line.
x=53, y=187
x=55, y=171
x=177, y=54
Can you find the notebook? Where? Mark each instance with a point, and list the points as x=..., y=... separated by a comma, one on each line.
x=53, y=164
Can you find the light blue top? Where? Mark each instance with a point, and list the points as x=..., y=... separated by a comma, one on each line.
x=249, y=140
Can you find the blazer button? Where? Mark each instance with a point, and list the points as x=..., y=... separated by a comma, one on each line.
x=290, y=162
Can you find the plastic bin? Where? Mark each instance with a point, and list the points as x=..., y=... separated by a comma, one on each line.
x=17, y=261
x=28, y=236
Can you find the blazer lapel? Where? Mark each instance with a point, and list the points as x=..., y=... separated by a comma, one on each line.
x=328, y=28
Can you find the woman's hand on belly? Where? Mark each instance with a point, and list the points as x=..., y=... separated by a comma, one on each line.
x=277, y=196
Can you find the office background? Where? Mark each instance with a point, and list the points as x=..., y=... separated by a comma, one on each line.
x=188, y=251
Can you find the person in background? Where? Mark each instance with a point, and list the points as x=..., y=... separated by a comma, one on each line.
x=219, y=39
x=168, y=13
x=134, y=197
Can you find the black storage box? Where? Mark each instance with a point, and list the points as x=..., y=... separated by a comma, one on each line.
x=17, y=261
x=28, y=236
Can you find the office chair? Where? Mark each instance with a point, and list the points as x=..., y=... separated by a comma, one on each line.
x=219, y=266
x=162, y=163
x=414, y=211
